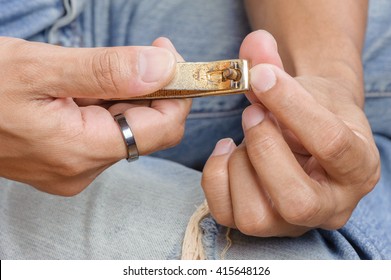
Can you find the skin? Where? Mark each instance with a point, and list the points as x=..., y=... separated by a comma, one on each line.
x=59, y=144
x=308, y=156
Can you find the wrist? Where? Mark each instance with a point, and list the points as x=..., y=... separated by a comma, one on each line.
x=341, y=64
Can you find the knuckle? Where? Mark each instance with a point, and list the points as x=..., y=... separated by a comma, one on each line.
x=174, y=137
x=5, y=40
x=337, y=145
x=262, y=146
x=14, y=45
x=375, y=175
x=70, y=189
x=337, y=222
x=63, y=188
x=302, y=210
x=253, y=225
x=178, y=135
x=367, y=174
x=106, y=69
x=236, y=159
x=174, y=130
x=21, y=65
x=223, y=219
x=370, y=182
x=211, y=174
x=70, y=171
x=214, y=177
x=288, y=104
x=177, y=138
x=68, y=168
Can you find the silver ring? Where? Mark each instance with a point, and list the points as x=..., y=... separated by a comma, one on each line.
x=128, y=136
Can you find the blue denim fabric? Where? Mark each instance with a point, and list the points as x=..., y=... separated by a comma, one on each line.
x=140, y=211
x=136, y=211
x=369, y=229
x=26, y=19
x=376, y=57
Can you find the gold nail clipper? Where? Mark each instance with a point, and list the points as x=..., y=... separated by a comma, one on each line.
x=198, y=79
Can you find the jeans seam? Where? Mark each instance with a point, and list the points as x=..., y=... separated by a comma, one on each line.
x=375, y=94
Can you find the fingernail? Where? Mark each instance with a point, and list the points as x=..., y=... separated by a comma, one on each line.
x=155, y=64
x=263, y=78
x=224, y=146
x=252, y=116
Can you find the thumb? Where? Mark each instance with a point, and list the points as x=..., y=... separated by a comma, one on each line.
x=260, y=47
x=103, y=73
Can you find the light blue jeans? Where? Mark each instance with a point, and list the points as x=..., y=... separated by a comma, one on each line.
x=140, y=210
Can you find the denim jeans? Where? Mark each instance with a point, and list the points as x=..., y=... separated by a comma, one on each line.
x=140, y=210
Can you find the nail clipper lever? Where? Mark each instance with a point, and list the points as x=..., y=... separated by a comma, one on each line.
x=198, y=79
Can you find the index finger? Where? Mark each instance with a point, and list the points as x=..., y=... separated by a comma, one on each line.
x=323, y=134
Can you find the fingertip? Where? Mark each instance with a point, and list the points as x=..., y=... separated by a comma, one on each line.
x=223, y=147
x=263, y=78
x=261, y=36
x=252, y=116
x=166, y=43
x=260, y=47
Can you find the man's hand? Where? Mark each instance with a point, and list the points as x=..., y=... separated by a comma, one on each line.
x=51, y=142
x=307, y=159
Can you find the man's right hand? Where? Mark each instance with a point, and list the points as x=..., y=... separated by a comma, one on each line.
x=49, y=141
